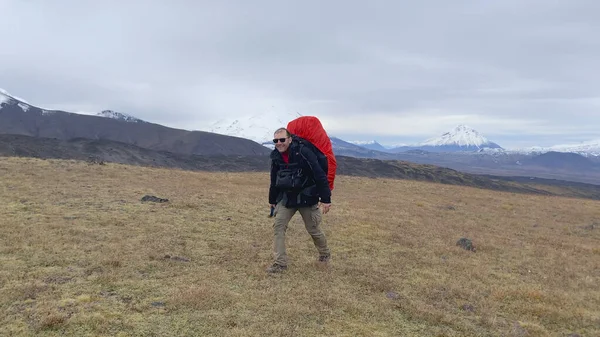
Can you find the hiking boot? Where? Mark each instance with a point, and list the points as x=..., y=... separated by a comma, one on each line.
x=324, y=258
x=276, y=268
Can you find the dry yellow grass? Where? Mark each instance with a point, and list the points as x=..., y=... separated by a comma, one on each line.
x=80, y=255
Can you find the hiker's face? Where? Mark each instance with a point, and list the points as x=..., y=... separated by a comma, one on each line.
x=282, y=147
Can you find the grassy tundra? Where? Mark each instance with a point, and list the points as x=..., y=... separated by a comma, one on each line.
x=81, y=255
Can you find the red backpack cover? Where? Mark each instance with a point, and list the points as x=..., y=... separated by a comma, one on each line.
x=311, y=129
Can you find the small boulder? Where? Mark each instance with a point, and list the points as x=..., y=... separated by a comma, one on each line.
x=466, y=244
x=152, y=198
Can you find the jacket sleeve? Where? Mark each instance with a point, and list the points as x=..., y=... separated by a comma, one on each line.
x=318, y=174
x=273, y=192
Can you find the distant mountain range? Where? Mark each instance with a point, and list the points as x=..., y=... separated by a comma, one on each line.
x=260, y=129
x=101, y=151
x=467, y=150
x=462, y=138
x=562, y=161
x=465, y=139
x=461, y=148
x=22, y=118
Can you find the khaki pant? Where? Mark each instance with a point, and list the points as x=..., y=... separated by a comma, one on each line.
x=312, y=221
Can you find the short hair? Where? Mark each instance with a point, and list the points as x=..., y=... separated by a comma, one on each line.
x=283, y=129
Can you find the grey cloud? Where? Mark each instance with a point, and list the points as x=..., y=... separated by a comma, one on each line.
x=506, y=66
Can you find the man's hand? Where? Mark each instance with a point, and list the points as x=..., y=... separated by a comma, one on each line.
x=325, y=207
x=272, y=214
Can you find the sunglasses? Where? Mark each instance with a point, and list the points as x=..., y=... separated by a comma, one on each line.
x=281, y=140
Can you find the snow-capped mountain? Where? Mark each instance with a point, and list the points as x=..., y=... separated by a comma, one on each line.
x=462, y=138
x=119, y=116
x=6, y=97
x=9, y=99
x=258, y=128
x=22, y=119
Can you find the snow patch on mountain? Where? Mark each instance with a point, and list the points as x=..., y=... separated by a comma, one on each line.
x=268, y=145
x=362, y=142
x=258, y=128
x=390, y=146
x=119, y=116
x=48, y=112
x=492, y=150
x=23, y=106
x=8, y=98
x=4, y=97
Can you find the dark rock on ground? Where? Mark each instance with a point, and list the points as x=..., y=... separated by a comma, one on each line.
x=152, y=198
x=466, y=244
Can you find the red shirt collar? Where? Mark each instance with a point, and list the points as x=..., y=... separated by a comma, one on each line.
x=286, y=157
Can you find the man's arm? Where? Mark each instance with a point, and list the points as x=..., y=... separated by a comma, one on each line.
x=319, y=175
x=272, y=189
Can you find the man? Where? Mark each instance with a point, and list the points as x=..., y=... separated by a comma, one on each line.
x=298, y=184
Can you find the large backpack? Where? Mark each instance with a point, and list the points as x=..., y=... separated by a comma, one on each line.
x=309, y=132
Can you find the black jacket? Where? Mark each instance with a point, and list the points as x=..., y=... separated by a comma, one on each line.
x=303, y=160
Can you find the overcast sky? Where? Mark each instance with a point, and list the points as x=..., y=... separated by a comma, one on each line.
x=522, y=72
